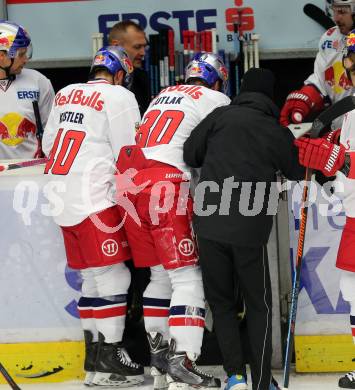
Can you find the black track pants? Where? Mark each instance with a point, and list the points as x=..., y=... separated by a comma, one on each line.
x=222, y=266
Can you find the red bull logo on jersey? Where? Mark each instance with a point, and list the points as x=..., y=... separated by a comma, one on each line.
x=77, y=96
x=335, y=76
x=14, y=129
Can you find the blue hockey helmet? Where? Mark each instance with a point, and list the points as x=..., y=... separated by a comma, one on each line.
x=209, y=68
x=14, y=37
x=349, y=56
x=112, y=59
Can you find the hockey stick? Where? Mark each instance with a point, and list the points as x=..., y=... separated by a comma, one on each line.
x=318, y=15
x=8, y=378
x=23, y=164
x=324, y=119
x=39, y=132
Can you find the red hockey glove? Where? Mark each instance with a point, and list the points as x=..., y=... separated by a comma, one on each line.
x=333, y=136
x=299, y=104
x=320, y=154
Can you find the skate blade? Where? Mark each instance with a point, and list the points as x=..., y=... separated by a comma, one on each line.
x=185, y=386
x=106, y=379
x=160, y=381
x=89, y=377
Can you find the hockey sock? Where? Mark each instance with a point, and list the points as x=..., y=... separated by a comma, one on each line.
x=352, y=319
x=187, y=309
x=156, y=313
x=85, y=308
x=110, y=315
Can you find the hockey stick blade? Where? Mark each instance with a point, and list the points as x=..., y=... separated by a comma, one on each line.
x=8, y=378
x=22, y=164
x=318, y=15
x=298, y=130
x=333, y=112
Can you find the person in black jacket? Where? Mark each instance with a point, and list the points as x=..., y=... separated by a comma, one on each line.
x=240, y=148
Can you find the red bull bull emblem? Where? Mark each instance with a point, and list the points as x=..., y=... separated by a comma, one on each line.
x=99, y=59
x=4, y=41
x=14, y=129
x=7, y=41
x=196, y=70
x=128, y=64
x=350, y=40
x=224, y=72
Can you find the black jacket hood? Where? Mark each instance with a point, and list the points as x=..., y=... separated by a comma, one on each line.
x=257, y=101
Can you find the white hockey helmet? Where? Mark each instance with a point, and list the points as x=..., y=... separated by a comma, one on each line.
x=340, y=3
x=14, y=37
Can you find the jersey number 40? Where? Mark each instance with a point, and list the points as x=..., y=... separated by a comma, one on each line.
x=69, y=149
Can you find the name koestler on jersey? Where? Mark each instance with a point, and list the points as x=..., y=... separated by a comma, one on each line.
x=17, y=120
x=105, y=116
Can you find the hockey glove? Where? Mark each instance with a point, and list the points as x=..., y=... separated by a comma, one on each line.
x=332, y=136
x=320, y=154
x=299, y=104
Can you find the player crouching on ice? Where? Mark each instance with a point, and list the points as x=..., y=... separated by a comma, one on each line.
x=88, y=125
x=332, y=157
x=174, y=302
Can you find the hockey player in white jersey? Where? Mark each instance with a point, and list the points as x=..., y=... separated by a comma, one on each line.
x=19, y=87
x=328, y=81
x=87, y=127
x=339, y=158
x=173, y=302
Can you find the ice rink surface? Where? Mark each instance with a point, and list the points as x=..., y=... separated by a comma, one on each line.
x=297, y=382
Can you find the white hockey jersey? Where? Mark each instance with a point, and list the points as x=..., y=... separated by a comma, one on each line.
x=347, y=138
x=17, y=120
x=171, y=117
x=87, y=127
x=329, y=74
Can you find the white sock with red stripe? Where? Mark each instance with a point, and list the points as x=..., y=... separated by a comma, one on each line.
x=156, y=313
x=187, y=309
x=110, y=316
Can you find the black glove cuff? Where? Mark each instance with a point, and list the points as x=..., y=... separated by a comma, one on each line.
x=347, y=164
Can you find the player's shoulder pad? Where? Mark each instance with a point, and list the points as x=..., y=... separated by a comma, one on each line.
x=33, y=75
x=331, y=39
x=118, y=96
x=216, y=96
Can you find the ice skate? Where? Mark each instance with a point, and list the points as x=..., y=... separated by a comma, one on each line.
x=347, y=381
x=90, y=357
x=158, y=359
x=183, y=374
x=114, y=367
x=236, y=382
